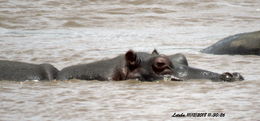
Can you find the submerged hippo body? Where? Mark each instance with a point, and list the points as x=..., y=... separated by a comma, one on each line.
x=132, y=65
x=242, y=44
x=184, y=72
x=20, y=71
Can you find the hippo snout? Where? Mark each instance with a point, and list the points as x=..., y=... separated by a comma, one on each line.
x=230, y=77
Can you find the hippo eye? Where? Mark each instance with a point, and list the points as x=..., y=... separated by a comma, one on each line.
x=158, y=67
x=228, y=75
x=160, y=64
x=161, y=68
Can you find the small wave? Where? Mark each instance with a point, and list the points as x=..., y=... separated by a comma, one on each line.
x=72, y=24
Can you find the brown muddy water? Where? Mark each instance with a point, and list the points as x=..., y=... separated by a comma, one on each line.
x=66, y=32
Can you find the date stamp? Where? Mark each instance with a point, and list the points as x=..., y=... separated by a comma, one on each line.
x=200, y=114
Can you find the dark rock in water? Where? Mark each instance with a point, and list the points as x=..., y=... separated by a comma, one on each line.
x=20, y=71
x=241, y=44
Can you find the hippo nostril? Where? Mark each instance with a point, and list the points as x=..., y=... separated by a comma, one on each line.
x=227, y=77
x=238, y=76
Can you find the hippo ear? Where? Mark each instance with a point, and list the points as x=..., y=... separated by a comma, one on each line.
x=155, y=52
x=131, y=59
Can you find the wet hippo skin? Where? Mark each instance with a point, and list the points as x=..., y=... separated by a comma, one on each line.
x=184, y=72
x=132, y=65
x=20, y=71
x=242, y=44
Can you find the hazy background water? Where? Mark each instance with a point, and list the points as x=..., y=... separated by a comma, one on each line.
x=65, y=32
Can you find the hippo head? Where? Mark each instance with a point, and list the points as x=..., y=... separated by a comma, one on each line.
x=145, y=67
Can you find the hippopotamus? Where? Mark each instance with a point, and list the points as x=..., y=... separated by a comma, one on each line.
x=131, y=65
x=144, y=67
x=21, y=71
x=182, y=71
x=242, y=44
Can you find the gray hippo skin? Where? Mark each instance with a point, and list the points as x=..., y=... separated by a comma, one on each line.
x=131, y=65
x=20, y=71
x=184, y=72
x=242, y=44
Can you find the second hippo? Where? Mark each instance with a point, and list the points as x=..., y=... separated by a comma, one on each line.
x=241, y=44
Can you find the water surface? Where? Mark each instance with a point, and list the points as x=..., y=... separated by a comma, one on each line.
x=64, y=32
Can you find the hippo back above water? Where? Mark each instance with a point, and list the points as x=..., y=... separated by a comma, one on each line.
x=242, y=44
x=20, y=71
